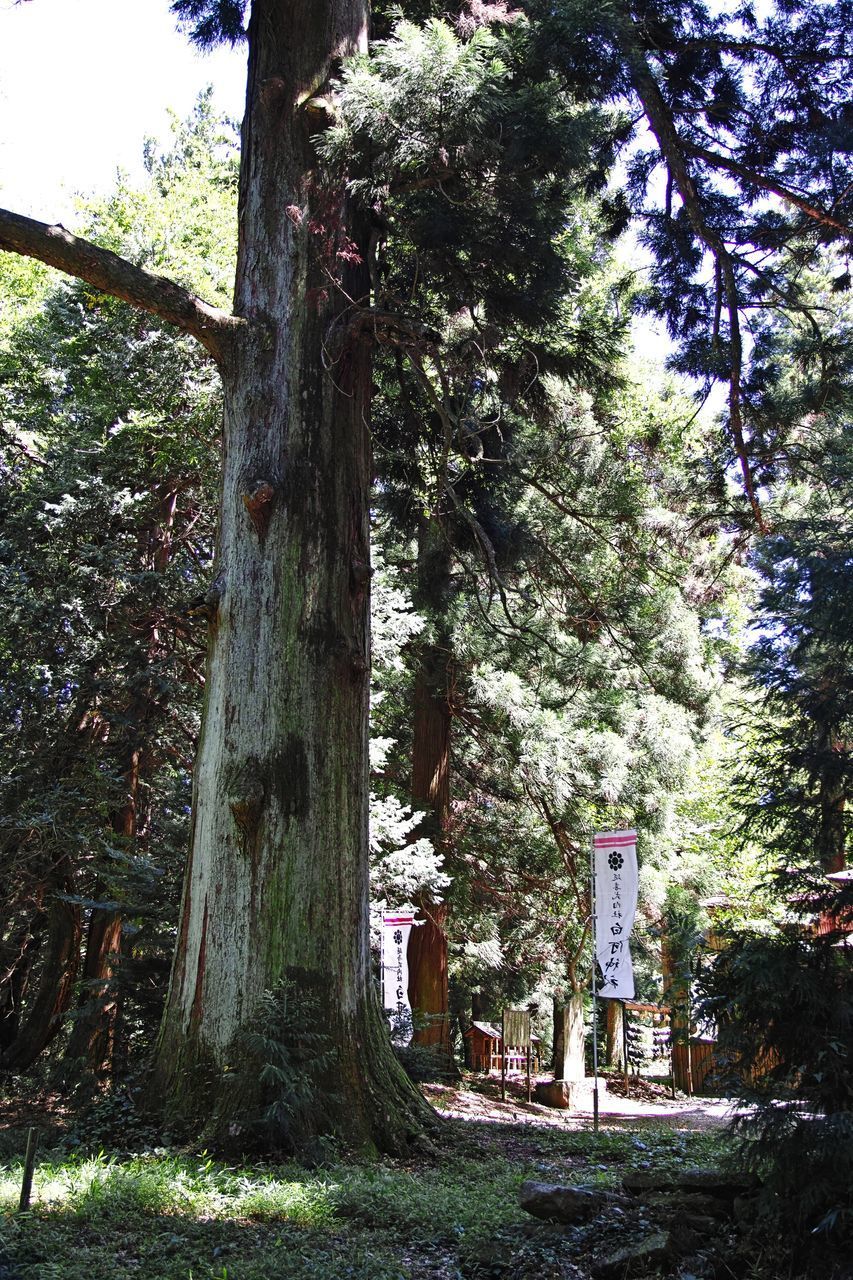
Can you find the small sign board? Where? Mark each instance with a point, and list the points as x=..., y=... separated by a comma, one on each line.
x=516, y=1028
x=516, y=1035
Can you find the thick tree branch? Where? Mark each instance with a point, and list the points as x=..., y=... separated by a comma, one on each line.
x=674, y=152
x=764, y=183
x=114, y=275
x=783, y=55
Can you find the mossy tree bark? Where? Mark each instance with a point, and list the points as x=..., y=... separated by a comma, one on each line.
x=277, y=878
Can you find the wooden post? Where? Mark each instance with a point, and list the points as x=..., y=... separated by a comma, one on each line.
x=689, y=1045
x=503, y=1056
x=625, y=1046
x=33, y=1136
x=672, y=1053
x=529, y=1093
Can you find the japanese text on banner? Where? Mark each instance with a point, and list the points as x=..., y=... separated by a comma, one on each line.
x=615, y=869
x=395, y=974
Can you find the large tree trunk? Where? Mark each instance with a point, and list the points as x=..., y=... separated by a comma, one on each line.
x=277, y=880
x=614, y=1044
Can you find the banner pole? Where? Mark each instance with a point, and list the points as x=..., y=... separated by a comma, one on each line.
x=594, y=991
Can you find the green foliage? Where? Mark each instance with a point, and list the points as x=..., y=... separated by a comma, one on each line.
x=425, y=97
x=402, y=862
x=293, y=1059
x=735, y=180
x=782, y=995
x=799, y=780
x=211, y=22
x=168, y=1215
x=107, y=476
x=784, y=1008
x=467, y=166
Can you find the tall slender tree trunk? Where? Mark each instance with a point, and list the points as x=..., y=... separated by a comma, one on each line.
x=93, y=1037
x=428, y=977
x=57, y=970
x=277, y=879
x=431, y=743
x=17, y=959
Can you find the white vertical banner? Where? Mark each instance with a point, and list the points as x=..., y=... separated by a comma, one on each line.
x=615, y=869
x=396, y=928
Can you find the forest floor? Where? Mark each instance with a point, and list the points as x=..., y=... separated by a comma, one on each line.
x=641, y=1102
x=110, y=1203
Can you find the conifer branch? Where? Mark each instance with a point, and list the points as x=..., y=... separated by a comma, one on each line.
x=114, y=275
x=813, y=211
x=782, y=54
x=674, y=151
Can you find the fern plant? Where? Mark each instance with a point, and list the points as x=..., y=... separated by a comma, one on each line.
x=294, y=1058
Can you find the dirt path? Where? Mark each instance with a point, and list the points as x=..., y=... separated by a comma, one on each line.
x=481, y=1102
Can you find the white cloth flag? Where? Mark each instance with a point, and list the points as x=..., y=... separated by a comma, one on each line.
x=615, y=862
x=395, y=974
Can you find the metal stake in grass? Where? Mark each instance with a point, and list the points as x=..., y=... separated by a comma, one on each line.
x=33, y=1136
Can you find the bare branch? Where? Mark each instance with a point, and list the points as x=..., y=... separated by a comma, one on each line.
x=116, y=276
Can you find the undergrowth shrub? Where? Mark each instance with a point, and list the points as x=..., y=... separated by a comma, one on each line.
x=783, y=1004
x=294, y=1060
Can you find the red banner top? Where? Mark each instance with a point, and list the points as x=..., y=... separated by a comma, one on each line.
x=613, y=839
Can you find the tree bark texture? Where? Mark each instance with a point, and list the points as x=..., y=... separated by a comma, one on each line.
x=431, y=744
x=277, y=880
x=569, y=1060
x=614, y=1046
x=427, y=955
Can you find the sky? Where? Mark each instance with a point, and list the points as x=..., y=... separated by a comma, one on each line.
x=83, y=83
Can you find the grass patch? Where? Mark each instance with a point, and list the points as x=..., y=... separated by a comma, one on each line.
x=166, y=1216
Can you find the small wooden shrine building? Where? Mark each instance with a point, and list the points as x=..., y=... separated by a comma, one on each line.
x=484, y=1050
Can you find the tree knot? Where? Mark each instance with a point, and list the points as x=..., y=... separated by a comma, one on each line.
x=258, y=501
x=246, y=797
